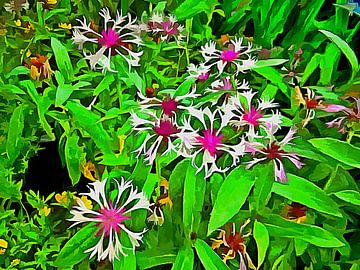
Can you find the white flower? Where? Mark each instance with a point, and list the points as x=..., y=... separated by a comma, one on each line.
x=207, y=142
x=246, y=114
x=118, y=36
x=110, y=217
x=235, y=53
x=16, y=5
x=199, y=72
x=161, y=131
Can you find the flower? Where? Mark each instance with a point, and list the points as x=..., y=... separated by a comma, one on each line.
x=231, y=243
x=208, y=141
x=162, y=133
x=3, y=246
x=40, y=68
x=199, y=72
x=246, y=114
x=274, y=151
x=157, y=215
x=89, y=171
x=296, y=212
x=45, y=211
x=62, y=198
x=110, y=217
x=344, y=123
x=66, y=26
x=165, y=27
x=234, y=53
x=170, y=104
x=15, y=262
x=16, y=5
x=117, y=37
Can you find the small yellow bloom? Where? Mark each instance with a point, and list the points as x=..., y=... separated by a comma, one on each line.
x=251, y=39
x=224, y=38
x=87, y=202
x=62, y=198
x=49, y=28
x=51, y=2
x=121, y=143
x=15, y=262
x=89, y=171
x=29, y=28
x=45, y=211
x=3, y=246
x=66, y=26
x=34, y=73
x=17, y=23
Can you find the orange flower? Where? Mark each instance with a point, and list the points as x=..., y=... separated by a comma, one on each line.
x=89, y=171
x=40, y=68
x=296, y=212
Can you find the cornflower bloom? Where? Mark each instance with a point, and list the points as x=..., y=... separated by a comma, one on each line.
x=200, y=72
x=162, y=131
x=16, y=5
x=207, y=142
x=165, y=27
x=232, y=243
x=274, y=151
x=351, y=116
x=117, y=37
x=234, y=53
x=110, y=217
x=245, y=114
x=170, y=104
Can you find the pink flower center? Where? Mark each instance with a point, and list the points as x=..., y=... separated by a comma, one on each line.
x=170, y=28
x=109, y=38
x=229, y=55
x=169, y=106
x=273, y=151
x=227, y=84
x=111, y=218
x=203, y=76
x=210, y=141
x=252, y=116
x=166, y=128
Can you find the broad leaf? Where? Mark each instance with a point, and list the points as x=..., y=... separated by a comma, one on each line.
x=350, y=196
x=62, y=59
x=75, y=157
x=15, y=129
x=231, y=196
x=209, y=259
x=339, y=150
x=303, y=191
x=261, y=237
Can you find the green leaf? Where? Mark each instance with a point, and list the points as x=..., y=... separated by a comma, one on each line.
x=150, y=183
x=73, y=251
x=345, y=48
x=209, y=259
x=74, y=156
x=277, y=226
x=154, y=257
x=15, y=130
x=231, y=197
x=104, y=84
x=194, y=190
x=263, y=183
x=184, y=87
x=303, y=191
x=274, y=76
x=10, y=190
x=125, y=262
x=62, y=59
x=270, y=62
x=350, y=196
x=184, y=259
x=190, y=8
x=87, y=120
x=339, y=150
x=261, y=237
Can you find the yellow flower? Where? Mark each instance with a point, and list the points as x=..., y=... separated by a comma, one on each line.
x=87, y=202
x=51, y=2
x=15, y=262
x=34, y=72
x=62, y=198
x=251, y=39
x=28, y=52
x=121, y=143
x=45, y=211
x=66, y=26
x=29, y=28
x=49, y=28
x=17, y=23
x=89, y=171
x=3, y=246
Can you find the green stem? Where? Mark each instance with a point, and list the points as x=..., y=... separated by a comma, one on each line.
x=158, y=172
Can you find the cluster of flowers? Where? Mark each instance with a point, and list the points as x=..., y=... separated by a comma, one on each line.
x=190, y=125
